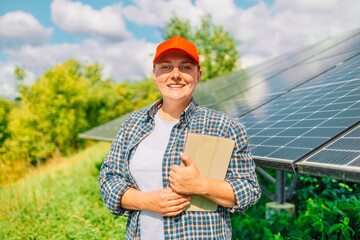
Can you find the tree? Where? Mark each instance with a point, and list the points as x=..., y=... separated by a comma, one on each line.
x=106, y=99
x=20, y=74
x=145, y=92
x=51, y=114
x=5, y=108
x=178, y=27
x=67, y=100
x=217, y=48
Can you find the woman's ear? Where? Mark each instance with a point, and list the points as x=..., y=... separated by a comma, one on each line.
x=199, y=76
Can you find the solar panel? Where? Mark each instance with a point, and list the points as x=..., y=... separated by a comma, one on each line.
x=340, y=158
x=227, y=95
x=259, y=85
x=105, y=132
x=342, y=43
x=294, y=124
x=349, y=45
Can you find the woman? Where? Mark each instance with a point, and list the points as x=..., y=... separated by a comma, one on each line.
x=141, y=178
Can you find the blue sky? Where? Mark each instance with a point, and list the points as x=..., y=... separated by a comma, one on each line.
x=122, y=35
x=40, y=9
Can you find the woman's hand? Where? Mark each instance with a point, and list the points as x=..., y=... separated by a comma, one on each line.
x=186, y=179
x=164, y=202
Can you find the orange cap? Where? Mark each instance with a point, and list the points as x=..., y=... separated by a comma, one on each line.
x=177, y=43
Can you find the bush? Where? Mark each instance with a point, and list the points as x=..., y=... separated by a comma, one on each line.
x=326, y=209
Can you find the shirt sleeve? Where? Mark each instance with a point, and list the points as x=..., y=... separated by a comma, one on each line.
x=241, y=173
x=113, y=179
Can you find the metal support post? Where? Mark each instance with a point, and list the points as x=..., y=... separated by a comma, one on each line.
x=280, y=187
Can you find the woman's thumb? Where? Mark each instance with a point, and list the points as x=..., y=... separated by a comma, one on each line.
x=186, y=159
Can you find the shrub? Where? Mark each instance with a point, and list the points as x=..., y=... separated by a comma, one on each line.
x=326, y=209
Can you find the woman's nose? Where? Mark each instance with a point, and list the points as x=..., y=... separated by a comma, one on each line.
x=175, y=73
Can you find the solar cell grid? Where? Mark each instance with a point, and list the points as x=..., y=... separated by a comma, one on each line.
x=354, y=134
x=295, y=116
x=347, y=47
x=227, y=95
x=285, y=152
x=304, y=113
x=347, y=144
x=284, y=124
x=327, y=48
x=344, y=151
x=278, y=141
x=338, y=122
x=307, y=142
x=307, y=123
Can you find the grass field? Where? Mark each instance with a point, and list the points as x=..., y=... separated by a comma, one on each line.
x=60, y=201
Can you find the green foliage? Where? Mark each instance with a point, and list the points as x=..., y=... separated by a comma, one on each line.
x=67, y=100
x=178, y=27
x=145, y=92
x=19, y=74
x=5, y=108
x=106, y=99
x=326, y=209
x=52, y=113
x=217, y=47
x=60, y=202
x=26, y=142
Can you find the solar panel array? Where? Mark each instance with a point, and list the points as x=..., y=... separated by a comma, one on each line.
x=262, y=83
x=292, y=125
x=298, y=108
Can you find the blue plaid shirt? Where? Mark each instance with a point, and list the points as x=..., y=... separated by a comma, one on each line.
x=115, y=177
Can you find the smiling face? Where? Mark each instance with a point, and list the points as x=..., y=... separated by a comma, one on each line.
x=176, y=75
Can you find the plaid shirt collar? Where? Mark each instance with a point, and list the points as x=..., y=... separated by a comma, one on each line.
x=185, y=116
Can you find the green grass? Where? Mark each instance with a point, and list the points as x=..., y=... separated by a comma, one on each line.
x=60, y=201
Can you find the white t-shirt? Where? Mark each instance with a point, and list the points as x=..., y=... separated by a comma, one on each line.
x=146, y=168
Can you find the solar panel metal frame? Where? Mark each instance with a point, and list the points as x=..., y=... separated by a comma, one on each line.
x=325, y=169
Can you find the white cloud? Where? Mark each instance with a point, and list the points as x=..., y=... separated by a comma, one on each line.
x=158, y=12
x=7, y=80
x=127, y=60
x=79, y=18
x=266, y=31
x=221, y=11
x=20, y=28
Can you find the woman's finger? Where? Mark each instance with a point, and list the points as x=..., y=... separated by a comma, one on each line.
x=175, y=167
x=176, y=209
